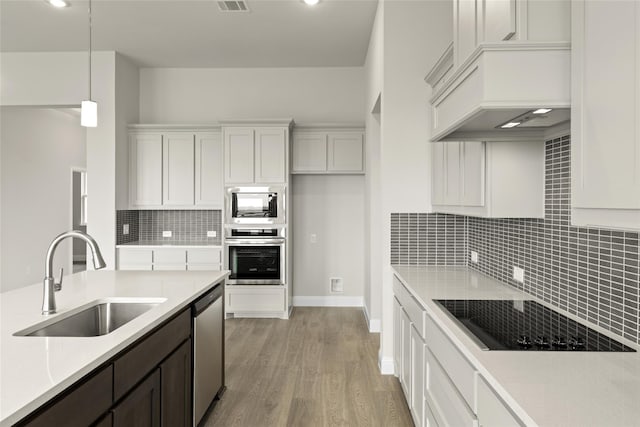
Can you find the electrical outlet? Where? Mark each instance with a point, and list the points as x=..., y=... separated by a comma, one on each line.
x=474, y=257
x=211, y=233
x=518, y=274
x=336, y=284
x=313, y=238
x=125, y=229
x=519, y=305
x=167, y=233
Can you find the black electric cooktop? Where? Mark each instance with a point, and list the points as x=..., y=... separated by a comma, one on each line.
x=525, y=325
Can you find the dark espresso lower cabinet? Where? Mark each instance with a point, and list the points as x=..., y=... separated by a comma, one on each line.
x=175, y=384
x=146, y=385
x=141, y=407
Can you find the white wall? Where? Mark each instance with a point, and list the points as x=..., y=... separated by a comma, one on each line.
x=332, y=208
x=374, y=75
x=187, y=95
x=414, y=35
x=38, y=149
x=60, y=79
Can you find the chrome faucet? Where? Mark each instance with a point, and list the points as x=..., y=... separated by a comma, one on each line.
x=49, y=283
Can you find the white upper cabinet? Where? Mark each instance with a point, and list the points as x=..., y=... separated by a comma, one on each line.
x=605, y=115
x=345, y=152
x=499, y=20
x=173, y=168
x=489, y=179
x=145, y=174
x=208, y=170
x=238, y=155
x=328, y=150
x=270, y=155
x=309, y=152
x=256, y=153
x=178, y=169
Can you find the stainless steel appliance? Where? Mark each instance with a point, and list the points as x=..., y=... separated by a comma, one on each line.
x=208, y=351
x=524, y=325
x=255, y=256
x=255, y=205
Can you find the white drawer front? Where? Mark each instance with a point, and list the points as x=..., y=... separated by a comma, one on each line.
x=457, y=367
x=492, y=411
x=203, y=267
x=204, y=256
x=139, y=267
x=255, y=300
x=429, y=417
x=128, y=256
x=169, y=256
x=169, y=267
x=413, y=308
x=447, y=401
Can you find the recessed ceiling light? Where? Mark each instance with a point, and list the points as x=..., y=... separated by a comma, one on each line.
x=58, y=3
x=542, y=111
x=510, y=125
x=311, y=2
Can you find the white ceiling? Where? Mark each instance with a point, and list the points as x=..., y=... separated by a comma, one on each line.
x=188, y=33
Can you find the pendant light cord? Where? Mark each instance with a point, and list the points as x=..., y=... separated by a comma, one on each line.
x=90, y=50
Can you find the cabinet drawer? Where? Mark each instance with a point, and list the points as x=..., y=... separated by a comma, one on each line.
x=82, y=406
x=138, y=267
x=170, y=267
x=492, y=411
x=134, y=256
x=203, y=267
x=413, y=308
x=457, y=367
x=204, y=256
x=254, y=300
x=430, y=419
x=169, y=256
x=447, y=400
x=132, y=366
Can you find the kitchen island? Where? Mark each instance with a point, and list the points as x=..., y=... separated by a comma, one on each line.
x=33, y=370
x=546, y=388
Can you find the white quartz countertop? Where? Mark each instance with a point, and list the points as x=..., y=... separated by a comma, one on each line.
x=35, y=369
x=543, y=388
x=168, y=244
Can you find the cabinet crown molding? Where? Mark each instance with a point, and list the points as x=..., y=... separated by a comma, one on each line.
x=174, y=127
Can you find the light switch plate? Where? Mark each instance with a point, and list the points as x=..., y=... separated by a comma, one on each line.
x=167, y=233
x=212, y=233
x=125, y=229
x=518, y=274
x=474, y=257
x=313, y=238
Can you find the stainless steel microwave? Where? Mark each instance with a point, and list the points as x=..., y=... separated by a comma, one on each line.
x=254, y=205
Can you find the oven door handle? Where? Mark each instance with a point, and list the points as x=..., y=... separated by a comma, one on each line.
x=253, y=242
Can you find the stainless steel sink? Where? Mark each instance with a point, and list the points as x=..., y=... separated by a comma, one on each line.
x=94, y=319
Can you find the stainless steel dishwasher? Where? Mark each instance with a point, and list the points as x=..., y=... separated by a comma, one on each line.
x=208, y=351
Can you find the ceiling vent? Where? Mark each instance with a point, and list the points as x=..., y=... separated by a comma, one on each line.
x=233, y=6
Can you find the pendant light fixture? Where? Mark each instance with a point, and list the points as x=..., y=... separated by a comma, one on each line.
x=89, y=108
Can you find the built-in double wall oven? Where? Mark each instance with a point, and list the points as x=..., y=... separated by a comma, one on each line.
x=255, y=235
x=255, y=256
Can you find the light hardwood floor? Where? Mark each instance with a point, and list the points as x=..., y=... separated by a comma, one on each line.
x=318, y=368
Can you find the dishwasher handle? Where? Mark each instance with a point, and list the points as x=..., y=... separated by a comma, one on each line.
x=208, y=299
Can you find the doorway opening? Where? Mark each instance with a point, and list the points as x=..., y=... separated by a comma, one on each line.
x=79, y=217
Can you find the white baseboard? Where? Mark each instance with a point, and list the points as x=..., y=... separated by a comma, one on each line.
x=327, y=301
x=373, y=324
x=386, y=365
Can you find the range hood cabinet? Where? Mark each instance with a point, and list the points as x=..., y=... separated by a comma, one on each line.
x=497, y=83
